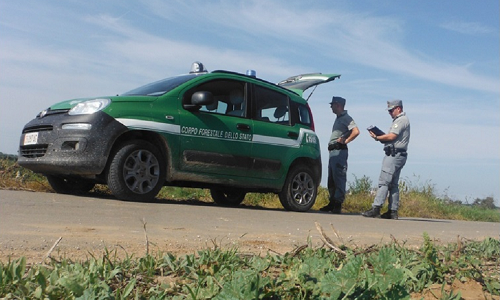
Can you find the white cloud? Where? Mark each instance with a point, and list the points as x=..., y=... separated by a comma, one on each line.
x=361, y=38
x=469, y=28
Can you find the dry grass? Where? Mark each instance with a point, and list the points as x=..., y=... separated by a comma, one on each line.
x=14, y=177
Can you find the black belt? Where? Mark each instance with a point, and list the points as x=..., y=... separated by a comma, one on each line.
x=337, y=146
x=401, y=151
x=391, y=151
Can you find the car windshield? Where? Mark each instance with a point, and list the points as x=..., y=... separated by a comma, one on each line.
x=160, y=87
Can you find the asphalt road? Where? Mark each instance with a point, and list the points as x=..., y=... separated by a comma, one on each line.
x=31, y=223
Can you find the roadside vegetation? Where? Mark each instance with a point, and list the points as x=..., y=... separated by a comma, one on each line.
x=332, y=271
x=378, y=272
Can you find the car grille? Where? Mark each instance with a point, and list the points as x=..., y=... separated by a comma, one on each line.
x=54, y=112
x=33, y=151
x=38, y=128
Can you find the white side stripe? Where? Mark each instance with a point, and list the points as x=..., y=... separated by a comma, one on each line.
x=150, y=125
x=176, y=129
x=271, y=140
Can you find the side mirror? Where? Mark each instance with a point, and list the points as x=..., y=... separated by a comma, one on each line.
x=202, y=98
x=198, y=99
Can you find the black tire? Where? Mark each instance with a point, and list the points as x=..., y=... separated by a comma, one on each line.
x=136, y=172
x=70, y=185
x=228, y=197
x=300, y=189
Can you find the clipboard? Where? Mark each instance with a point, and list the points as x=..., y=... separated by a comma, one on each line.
x=375, y=130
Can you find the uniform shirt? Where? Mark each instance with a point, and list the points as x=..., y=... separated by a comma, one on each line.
x=343, y=123
x=401, y=127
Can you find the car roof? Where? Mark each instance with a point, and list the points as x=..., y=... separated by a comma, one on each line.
x=255, y=78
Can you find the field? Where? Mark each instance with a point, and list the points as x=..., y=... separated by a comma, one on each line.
x=463, y=270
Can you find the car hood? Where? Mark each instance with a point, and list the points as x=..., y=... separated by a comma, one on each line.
x=300, y=83
x=68, y=104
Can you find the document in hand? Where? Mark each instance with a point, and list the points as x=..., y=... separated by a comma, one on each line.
x=375, y=130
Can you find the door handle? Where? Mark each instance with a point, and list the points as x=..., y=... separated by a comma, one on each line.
x=241, y=126
x=293, y=135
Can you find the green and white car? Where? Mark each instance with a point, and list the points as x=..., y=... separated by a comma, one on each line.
x=231, y=133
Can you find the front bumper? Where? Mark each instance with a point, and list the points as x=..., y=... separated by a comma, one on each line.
x=45, y=147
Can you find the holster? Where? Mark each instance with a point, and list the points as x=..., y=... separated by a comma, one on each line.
x=390, y=150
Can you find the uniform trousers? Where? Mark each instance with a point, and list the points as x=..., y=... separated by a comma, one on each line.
x=388, y=182
x=337, y=175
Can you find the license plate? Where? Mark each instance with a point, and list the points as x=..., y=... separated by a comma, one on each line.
x=30, y=138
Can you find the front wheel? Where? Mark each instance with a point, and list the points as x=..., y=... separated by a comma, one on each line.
x=136, y=172
x=70, y=185
x=300, y=189
x=228, y=197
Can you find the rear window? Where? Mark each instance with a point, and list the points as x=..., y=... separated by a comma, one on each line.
x=304, y=115
x=301, y=114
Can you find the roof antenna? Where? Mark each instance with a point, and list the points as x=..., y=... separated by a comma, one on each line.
x=311, y=93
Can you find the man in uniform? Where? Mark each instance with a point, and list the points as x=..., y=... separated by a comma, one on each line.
x=395, y=147
x=344, y=131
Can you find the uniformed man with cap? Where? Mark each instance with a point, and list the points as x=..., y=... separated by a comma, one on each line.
x=344, y=131
x=395, y=147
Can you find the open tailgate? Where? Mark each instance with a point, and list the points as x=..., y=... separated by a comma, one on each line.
x=300, y=83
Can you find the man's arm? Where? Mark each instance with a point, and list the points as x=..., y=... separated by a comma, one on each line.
x=388, y=137
x=351, y=137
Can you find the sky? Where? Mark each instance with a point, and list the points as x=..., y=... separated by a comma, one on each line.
x=440, y=57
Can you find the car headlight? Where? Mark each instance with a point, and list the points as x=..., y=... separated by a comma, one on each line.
x=89, y=107
x=77, y=126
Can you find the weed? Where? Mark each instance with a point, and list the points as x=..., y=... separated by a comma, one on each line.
x=380, y=272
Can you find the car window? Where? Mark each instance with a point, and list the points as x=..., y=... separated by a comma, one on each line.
x=229, y=97
x=304, y=115
x=271, y=106
x=160, y=87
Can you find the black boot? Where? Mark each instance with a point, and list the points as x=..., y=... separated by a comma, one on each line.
x=328, y=207
x=372, y=213
x=390, y=214
x=337, y=208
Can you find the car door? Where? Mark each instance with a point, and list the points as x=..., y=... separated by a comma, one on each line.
x=274, y=138
x=216, y=139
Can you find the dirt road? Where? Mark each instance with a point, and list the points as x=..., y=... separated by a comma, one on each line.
x=31, y=223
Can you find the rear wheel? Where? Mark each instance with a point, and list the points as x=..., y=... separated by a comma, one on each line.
x=300, y=189
x=136, y=172
x=69, y=185
x=228, y=197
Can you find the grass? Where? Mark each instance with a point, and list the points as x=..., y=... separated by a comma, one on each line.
x=416, y=200
x=380, y=272
x=390, y=271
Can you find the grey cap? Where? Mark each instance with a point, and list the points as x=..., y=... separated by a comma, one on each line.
x=336, y=99
x=394, y=103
